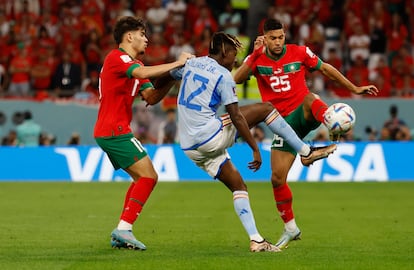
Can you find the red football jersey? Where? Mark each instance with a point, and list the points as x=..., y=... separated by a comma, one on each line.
x=282, y=81
x=117, y=91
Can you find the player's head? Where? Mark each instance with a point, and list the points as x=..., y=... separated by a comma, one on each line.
x=224, y=48
x=131, y=30
x=274, y=35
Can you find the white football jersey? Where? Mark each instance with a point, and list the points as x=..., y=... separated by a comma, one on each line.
x=205, y=85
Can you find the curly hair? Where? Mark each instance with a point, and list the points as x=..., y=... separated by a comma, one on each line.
x=220, y=39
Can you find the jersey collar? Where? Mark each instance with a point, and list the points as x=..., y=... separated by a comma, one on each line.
x=278, y=57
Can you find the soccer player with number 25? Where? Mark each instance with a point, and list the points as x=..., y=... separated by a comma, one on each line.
x=280, y=72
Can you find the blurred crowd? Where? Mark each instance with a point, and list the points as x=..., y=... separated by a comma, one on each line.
x=54, y=49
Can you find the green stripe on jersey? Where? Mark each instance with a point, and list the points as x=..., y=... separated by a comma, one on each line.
x=263, y=70
x=291, y=67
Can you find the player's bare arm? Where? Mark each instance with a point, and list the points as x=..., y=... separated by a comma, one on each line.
x=143, y=72
x=243, y=72
x=242, y=127
x=335, y=75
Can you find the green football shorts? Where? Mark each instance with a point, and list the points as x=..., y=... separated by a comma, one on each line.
x=123, y=150
x=302, y=127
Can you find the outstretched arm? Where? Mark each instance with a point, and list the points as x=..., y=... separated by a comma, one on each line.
x=334, y=75
x=146, y=72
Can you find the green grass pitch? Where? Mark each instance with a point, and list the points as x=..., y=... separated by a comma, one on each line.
x=192, y=225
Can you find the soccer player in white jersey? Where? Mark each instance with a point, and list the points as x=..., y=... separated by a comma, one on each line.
x=205, y=136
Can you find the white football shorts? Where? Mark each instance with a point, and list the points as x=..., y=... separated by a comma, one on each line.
x=213, y=154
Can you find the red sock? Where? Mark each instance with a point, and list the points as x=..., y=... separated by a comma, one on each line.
x=128, y=194
x=283, y=198
x=318, y=108
x=138, y=195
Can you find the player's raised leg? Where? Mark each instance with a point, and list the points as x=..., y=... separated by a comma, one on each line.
x=265, y=112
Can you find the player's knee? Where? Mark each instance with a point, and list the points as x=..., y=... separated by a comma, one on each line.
x=268, y=107
x=277, y=179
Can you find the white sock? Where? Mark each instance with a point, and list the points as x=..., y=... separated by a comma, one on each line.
x=291, y=226
x=123, y=225
x=244, y=212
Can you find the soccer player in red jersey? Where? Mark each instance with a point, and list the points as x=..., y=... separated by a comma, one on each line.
x=123, y=78
x=280, y=72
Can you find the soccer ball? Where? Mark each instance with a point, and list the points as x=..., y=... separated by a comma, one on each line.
x=339, y=118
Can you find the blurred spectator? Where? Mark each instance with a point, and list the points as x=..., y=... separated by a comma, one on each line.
x=47, y=139
x=378, y=20
x=157, y=50
x=3, y=80
x=167, y=129
x=91, y=17
x=157, y=16
x=381, y=77
x=359, y=43
x=49, y=21
x=395, y=129
x=19, y=69
x=90, y=88
x=397, y=35
x=142, y=5
x=124, y=9
x=175, y=28
x=311, y=34
x=181, y=44
x=67, y=77
x=74, y=139
x=358, y=73
x=3, y=119
x=230, y=20
x=372, y=134
x=177, y=9
x=25, y=27
x=26, y=6
x=41, y=74
x=302, y=16
x=192, y=12
x=334, y=60
x=401, y=79
x=10, y=139
x=206, y=20
x=144, y=125
x=43, y=39
x=280, y=13
x=202, y=44
x=5, y=25
x=28, y=132
x=92, y=51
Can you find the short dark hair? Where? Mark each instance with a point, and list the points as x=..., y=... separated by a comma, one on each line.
x=272, y=24
x=27, y=115
x=126, y=24
x=219, y=39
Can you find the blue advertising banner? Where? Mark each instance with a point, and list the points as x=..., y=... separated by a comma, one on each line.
x=382, y=161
